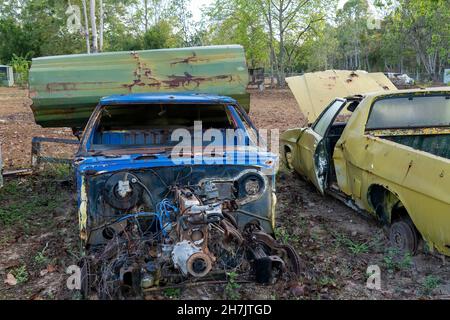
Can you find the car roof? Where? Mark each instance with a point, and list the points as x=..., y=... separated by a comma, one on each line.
x=403, y=91
x=182, y=98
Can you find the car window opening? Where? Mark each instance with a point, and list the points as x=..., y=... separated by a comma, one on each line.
x=131, y=126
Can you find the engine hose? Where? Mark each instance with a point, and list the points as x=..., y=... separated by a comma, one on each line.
x=214, y=217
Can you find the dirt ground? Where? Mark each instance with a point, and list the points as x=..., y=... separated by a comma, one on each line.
x=17, y=128
x=39, y=238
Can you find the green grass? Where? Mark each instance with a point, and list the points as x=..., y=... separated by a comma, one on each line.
x=232, y=287
x=326, y=281
x=28, y=198
x=172, y=293
x=284, y=236
x=355, y=247
x=430, y=283
x=396, y=261
x=40, y=258
x=21, y=274
x=58, y=171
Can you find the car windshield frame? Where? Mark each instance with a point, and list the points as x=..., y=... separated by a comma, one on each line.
x=233, y=110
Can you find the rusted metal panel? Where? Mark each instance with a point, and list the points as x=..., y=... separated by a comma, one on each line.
x=314, y=91
x=65, y=89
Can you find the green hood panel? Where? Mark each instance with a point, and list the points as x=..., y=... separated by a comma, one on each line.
x=65, y=89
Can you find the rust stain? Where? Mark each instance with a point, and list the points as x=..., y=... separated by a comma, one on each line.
x=187, y=79
x=143, y=76
x=188, y=60
x=409, y=132
x=409, y=169
x=71, y=86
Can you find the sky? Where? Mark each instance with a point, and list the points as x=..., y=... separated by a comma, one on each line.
x=196, y=6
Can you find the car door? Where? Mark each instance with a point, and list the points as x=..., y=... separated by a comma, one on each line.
x=313, y=159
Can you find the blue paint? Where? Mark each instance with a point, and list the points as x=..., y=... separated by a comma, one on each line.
x=125, y=156
x=155, y=98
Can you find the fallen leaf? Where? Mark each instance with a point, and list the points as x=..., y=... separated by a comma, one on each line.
x=10, y=279
x=51, y=268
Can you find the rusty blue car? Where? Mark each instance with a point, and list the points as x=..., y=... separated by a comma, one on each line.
x=175, y=186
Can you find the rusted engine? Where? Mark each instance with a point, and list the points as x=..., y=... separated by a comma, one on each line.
x=195, y=235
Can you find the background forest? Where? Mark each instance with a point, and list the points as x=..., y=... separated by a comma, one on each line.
x=283, y=36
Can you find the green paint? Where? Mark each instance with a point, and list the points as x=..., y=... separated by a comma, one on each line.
x=65, y=89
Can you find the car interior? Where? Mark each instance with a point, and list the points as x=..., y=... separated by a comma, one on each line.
x=335, y=131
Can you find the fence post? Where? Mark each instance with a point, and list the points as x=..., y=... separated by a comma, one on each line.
x=1, y=167
x=35, y=151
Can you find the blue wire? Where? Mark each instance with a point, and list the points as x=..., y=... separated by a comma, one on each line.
x=163, y=210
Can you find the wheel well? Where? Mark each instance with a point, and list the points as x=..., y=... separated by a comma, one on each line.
x=386, y=204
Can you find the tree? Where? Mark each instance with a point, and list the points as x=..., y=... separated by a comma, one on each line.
x=239, y=22
x=94, y=48
x=352, y=34
x=427, y=31
x=101, y=25
x=288, y=22
x=160, y=36
x=86, y=27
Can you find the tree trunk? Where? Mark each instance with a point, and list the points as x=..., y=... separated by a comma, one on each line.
x=86, y=27
x=281, y=76
x=146, y=15
x=100, y=45
x=367, y=63
x=93, y=27
x=272, y=49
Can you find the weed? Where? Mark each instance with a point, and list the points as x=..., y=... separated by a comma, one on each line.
x=232, y=287
x=326, y=281
x=430, y=283
x=77, y=295
x=58, y=171
x=22, y=200
x=353, y=246
x=40, y=258
x=394, y=260
x=357, y=248
x=406, y=261
x=284, y=236
x=5, y=239
x=172, y=293
x=21, y=274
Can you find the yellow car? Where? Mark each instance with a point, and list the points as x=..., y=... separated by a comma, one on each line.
x=384, y=153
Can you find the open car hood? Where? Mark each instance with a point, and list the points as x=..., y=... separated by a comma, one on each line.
x=314, y=91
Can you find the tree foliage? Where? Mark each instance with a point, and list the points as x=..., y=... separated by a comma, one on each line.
x=283, y=36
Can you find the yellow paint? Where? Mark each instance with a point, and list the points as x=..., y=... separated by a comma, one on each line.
x=274, y=205
x=314, y=91
x=417, y=180
x=82, y=211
